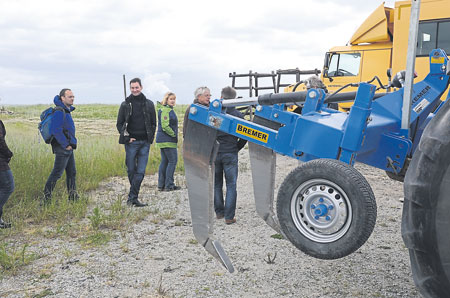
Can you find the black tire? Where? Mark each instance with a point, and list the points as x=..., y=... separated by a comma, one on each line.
x=426, y=208
x=309, y=191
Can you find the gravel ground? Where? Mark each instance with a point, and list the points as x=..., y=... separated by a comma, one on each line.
x=159, y=256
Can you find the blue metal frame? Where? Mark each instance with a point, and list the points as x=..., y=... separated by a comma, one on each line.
x=370, y=133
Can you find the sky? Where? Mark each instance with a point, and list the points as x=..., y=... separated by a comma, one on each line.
x=88, y=45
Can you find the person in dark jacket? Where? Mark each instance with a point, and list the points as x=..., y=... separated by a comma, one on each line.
x=227, y=163
x=6, y=176
x=63, y=144
x=202, y=96
x=166, y=141
x=136, y=123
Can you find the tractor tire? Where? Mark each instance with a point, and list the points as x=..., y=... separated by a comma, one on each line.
x=326, y=208
x=426, y=208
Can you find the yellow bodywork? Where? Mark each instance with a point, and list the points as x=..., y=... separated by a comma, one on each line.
x=381, y=42
x=375, y=28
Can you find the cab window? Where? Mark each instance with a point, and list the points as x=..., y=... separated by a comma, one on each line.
x=344, y=64
x=433, y=35
x=443, y=39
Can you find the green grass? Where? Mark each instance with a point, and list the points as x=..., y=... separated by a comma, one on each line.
x=96, y=239
x=97, y=157
x=116, y=216
x=12, y=258
x=87, y=111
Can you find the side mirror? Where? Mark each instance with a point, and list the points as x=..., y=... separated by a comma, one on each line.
x=326, y=65
x=326, y=62
x=325, y=75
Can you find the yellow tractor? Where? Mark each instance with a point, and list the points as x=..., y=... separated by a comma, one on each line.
x=381, y=43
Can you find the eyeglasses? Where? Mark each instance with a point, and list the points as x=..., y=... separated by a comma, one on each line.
x=70, y=96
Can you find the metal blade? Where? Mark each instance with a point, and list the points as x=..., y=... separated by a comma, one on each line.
x=199, y=153
x=263, y=164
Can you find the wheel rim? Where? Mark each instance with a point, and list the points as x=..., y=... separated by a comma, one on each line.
x=321, y=210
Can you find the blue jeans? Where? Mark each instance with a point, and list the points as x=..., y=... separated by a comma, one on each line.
x=136, y=161
x=169, y=158
x=226, y=163
x=64, y=160
x=6, y=188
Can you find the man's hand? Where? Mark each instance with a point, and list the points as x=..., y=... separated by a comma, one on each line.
x=132, y=140
x=69, y=147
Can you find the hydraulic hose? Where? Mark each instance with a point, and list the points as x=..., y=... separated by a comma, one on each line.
x=300, y=97
x=291, y=97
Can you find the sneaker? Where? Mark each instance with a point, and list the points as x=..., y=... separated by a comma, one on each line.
x=172, y=188
x=230, y=221
x=4, y=225
x=161, y=188
x=136, y=203
x=219, y=216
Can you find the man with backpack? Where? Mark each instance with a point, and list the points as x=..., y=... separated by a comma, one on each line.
x=136, y=123
x=63, y=141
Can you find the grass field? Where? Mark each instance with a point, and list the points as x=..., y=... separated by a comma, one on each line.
x=97, y=157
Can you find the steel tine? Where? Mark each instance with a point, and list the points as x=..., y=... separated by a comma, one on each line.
x=263, y=164
x=199, y=153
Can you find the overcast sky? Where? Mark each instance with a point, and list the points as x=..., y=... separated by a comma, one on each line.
x=87, y=45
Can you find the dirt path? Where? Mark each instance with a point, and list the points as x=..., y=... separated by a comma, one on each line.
x=160, y=252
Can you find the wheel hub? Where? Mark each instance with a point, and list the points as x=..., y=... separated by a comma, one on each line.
x=321, y=210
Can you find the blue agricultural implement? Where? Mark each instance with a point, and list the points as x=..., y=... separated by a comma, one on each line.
x=325, y=207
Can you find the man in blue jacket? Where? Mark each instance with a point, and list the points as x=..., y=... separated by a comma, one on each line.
x=63, y=143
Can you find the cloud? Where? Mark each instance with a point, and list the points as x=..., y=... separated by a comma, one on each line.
x=173, y=45
x=156, y=84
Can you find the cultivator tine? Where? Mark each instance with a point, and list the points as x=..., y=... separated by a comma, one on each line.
x=199, y=153
x=263, y=164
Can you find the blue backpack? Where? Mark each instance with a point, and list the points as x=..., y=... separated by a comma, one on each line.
x=46, y=123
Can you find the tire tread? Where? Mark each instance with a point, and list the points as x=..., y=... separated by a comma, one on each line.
x=334, y=166
x=422, y=182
